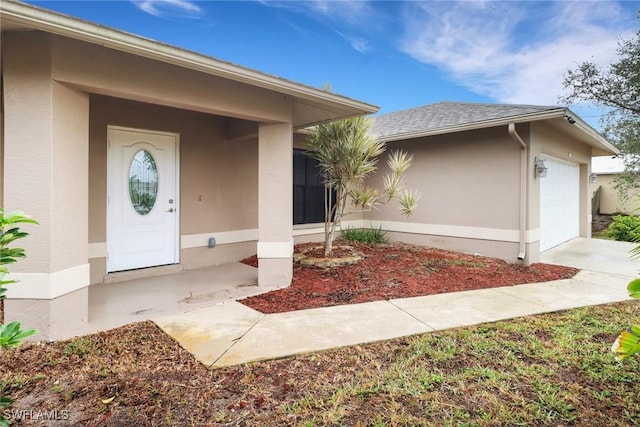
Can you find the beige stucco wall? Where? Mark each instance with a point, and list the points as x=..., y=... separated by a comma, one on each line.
x=470, y=188
x=549, y=141
x=218, y=175
x=106, y=71
x=610, y=201
x=469, y=184
x=465, y=179
x=45, y=141
x=45, y=133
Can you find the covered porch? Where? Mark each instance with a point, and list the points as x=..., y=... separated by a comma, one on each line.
x=134, y=299
x=81, y=104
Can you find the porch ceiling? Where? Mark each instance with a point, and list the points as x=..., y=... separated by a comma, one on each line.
x=310, y=105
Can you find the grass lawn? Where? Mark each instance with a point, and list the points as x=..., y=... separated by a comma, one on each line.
x=553, y=369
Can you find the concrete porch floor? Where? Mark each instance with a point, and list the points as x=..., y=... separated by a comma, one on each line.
x=116, y=304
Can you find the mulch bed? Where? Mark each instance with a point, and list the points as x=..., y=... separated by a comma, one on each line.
x=397, y=270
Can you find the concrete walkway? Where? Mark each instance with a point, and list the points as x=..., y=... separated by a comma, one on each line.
x=231, y=333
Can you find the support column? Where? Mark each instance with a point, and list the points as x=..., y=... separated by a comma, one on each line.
x=275, y=205
x=46, y=133
x=585, y=202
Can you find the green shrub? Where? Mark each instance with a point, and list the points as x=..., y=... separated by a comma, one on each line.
x=11, y=335
x=364, y=235
x=625, y=228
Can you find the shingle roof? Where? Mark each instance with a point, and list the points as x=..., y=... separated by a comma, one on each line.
x=444, y=115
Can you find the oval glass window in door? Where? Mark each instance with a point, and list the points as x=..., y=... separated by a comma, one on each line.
x=143, y=182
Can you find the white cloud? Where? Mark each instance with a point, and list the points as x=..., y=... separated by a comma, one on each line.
x=513, y=52
x=162, y=8
x=359, y=44
x=345, y=10
x=342, y=16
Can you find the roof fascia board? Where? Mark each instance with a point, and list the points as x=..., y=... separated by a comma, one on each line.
x=44, y=20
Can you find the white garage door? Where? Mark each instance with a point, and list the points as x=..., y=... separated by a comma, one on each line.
x=559, y=203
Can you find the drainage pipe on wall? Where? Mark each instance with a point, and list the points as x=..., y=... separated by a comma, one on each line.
x=523, y=191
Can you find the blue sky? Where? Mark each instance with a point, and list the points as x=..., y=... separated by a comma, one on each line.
x=394, y=54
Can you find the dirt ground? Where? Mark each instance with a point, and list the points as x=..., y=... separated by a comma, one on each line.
x=138, y=376
x=601, y=222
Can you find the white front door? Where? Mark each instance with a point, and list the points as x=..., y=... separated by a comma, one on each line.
x=142, y=214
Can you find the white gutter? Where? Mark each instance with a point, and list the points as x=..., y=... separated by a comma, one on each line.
x=64, y=25
x=523, y=191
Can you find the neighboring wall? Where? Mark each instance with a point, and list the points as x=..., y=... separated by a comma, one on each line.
x=218, y=180
x=469, y=184
x=611, y=202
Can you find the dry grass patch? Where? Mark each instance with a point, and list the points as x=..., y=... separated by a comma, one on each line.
x=553, y=369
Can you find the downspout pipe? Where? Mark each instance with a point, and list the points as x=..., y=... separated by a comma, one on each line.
x=523, y=191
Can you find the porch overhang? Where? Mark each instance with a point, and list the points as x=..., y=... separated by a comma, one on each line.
x=310, y=105
x=55, y=69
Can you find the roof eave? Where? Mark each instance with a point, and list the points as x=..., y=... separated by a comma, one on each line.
x=599, y=143
x=478, y=125
x=55, y=23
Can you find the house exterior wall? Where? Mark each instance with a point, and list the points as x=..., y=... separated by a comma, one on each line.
x=548, y=141
x=470, y=188
x=45, y=174
x=60, y=95
x=105, y=71
x=218, y=182
x=469, y=184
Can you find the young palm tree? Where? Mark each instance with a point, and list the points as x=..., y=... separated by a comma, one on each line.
x=347, y=153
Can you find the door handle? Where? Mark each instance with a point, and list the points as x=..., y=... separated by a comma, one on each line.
x=170, y=210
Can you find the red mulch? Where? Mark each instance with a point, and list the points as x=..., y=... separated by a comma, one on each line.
x=397, y=270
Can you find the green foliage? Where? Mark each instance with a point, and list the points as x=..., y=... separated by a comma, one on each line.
x=4, y=402
x=347, y=153
x=617, y=87
x=364, y=235
x=10, y=335
x=628, y=342
x=624, y=228
x=8, y=234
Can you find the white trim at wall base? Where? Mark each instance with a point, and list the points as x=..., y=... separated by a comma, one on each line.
x=48, y=285
x=309, y=229
x=222, y=238
x=275, y=249
x=479, y=233
x=533, y=235
x=99, y=249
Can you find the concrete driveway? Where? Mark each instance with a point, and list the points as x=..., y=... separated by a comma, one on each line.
x=605, y=256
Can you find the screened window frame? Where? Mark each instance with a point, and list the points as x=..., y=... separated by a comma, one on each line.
x=308, y=190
